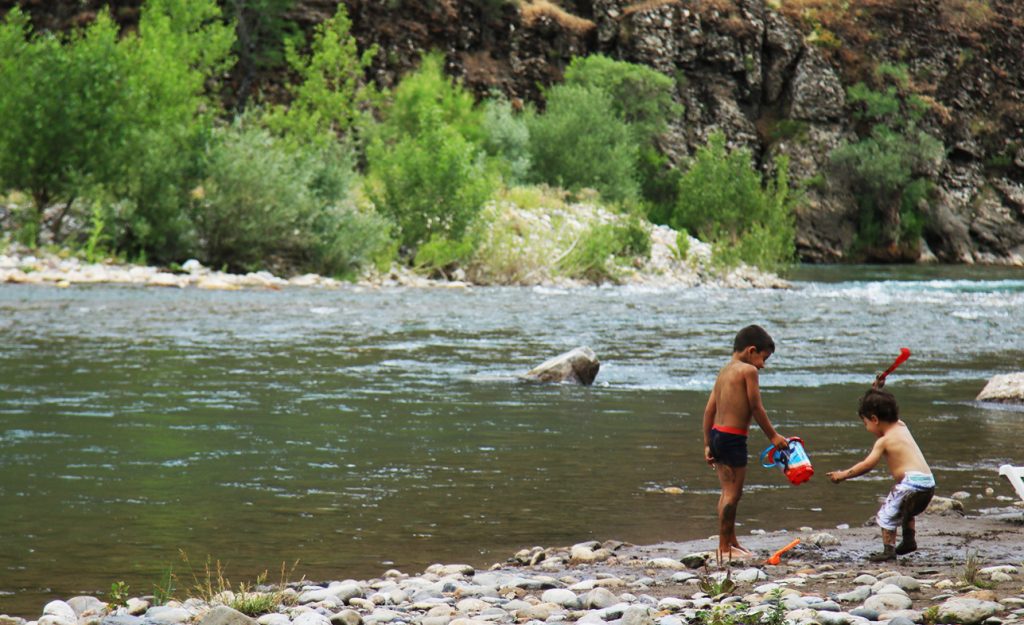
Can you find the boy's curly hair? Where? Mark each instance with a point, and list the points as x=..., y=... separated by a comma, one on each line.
x=879, y=403
x=753, y=335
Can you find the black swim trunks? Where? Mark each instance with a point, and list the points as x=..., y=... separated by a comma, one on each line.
x=728, y=449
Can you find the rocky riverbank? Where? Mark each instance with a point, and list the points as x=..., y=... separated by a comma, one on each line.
x=664, y=268
x=967, y=570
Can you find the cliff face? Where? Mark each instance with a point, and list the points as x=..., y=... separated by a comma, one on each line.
x=747, y=66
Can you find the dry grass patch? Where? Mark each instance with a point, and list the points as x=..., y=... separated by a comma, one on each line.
x=649, y=5
x=540, y=9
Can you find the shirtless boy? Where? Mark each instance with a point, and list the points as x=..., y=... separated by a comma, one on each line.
x=915, y=484
x=734, y=401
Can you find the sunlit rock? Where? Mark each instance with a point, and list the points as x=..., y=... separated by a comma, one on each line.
x=578, y=366
x=1008, y=388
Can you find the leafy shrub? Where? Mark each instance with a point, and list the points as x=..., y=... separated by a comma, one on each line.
x=640, y=96
x=506, y=140
x=439, y=254
x=428, y=96
x=260, y=203
x=643, y=98
x=432, y=183
x=887, y=173
x=580, y=142
x=722, y=200
x=598, y=250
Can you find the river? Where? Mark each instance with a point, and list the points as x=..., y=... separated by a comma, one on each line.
x=357, y=430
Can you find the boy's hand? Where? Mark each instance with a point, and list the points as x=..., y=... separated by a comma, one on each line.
x=834, y=476
x=780, y=441
x=707, y=456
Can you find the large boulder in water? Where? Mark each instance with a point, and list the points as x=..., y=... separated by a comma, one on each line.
x=578, y=366
x=1007, y=388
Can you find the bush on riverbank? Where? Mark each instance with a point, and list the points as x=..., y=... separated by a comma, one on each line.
x=160, y=173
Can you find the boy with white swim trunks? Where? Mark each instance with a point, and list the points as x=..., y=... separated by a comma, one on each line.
x=915, y=484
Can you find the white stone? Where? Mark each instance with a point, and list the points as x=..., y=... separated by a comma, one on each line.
x=560, y=596
x=967, y=611
x=888, y=602
x=274, y=619
x=60, y=609
x=1003, y=387
x=666, y=563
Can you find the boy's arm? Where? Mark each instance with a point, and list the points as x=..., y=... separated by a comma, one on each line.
x=758, y=412
x=709, y=421
x=861, y=467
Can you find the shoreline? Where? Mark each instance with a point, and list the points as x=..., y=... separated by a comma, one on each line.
x=663, y=270
x=824, y=580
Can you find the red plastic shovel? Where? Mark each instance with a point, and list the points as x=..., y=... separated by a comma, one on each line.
x=902, y=358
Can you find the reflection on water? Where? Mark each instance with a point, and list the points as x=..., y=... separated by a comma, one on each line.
x=359, y=430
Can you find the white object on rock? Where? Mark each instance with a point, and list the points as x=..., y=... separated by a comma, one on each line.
x=60, y=609
x=1014, y=475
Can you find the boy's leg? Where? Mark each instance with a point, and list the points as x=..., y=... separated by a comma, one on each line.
x=888, y=551
x=731, y=480
x=913, y=505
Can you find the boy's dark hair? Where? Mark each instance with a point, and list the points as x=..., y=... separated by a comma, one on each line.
x=753, y=335
x=880, y=403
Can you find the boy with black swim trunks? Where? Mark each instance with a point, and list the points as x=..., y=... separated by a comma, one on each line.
x=915, y=484
x=735, y=400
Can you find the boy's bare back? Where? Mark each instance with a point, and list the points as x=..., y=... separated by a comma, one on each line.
x=901, y=452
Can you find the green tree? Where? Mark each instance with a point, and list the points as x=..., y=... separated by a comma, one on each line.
x=180, y=48
x=427, y=95
x=722, y=200
x=888, y=169
x=332, y=96
x=62, y=103
x=640, y=96
x=643, y=98
x=431, y=184
x=580, y=141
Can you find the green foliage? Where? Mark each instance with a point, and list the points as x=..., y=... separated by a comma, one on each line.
x=643, y=98
x=62, y=104
x=887, y=172
x=722, y=200
x=595, y=254
x=659, y=184
x=682, y=244
x=432, y=183
x=426, y=97
x=506, y=140
x=440, y=254
x=94, y=251
x=118, y=595
x=332, y=96
x=640, y=96
x=163, y=590
x=261, y=29
x=581, y=142
x=263, y=202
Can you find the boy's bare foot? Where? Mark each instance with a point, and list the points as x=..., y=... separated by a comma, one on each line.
x=736, y=552
x=887, y=554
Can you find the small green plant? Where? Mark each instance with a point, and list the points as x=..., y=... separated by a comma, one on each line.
x=930, y=615
x=972, y=570
x=730, y=614
x=713, y=586
x=118, y=595
x=163, y=589
x=682, y=250
x=93, y=250
x=777, y=614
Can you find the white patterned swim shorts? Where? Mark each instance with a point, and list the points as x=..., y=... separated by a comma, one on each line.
x=890, y=516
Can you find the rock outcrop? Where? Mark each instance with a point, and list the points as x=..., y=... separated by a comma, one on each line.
x=577, y=366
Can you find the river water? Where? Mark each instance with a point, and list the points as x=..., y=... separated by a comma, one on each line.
x=357, y=430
